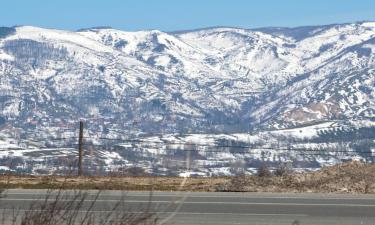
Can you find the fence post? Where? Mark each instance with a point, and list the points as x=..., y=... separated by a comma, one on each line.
x=80, y=149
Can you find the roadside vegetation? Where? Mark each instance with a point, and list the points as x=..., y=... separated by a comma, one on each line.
x=111, y=183
x=353, y=177
x=60, y=207
x=64, y=204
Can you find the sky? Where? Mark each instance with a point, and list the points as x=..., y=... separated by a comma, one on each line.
x=173, y=15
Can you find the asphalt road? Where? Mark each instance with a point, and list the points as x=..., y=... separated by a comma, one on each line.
x=225, y=208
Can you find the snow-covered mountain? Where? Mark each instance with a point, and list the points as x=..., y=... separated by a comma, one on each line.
x=214, y=80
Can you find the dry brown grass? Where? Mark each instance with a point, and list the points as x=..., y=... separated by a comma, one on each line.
x=111, y=183
x=354, y=177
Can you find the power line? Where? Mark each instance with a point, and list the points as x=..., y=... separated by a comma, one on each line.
x=177, y=143
x=225, y=146
x=211, y=150
x=279, y=152
x=232, y=151
x=51, y=139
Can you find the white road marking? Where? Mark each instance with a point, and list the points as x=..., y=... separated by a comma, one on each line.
x=189, y=202
x=184, y=213
x=127, y=194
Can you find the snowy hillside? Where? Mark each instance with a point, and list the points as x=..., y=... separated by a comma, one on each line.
x=214, y=80
x=210, y=79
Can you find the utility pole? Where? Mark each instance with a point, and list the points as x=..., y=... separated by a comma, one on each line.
x=80, y=149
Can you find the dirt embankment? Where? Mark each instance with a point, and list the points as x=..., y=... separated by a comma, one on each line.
x=112, y=183
x=354, y=177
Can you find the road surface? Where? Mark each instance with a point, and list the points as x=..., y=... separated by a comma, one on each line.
x=228, y=208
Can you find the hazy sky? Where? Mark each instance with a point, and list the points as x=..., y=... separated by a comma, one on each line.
x=170, y=15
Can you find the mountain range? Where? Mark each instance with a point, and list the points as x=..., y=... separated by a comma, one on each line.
x=208, y=81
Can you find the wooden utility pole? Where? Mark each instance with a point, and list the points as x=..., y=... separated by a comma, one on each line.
x=80, y=149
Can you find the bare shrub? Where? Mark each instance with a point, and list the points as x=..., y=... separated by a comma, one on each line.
x=263, y=171
x=236, y=184
x=78, y=207
x=283, y=170
x=132, y=172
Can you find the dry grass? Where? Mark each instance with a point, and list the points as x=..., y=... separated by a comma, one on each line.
x=60, y=207
x=355, y=177
x=111, y=183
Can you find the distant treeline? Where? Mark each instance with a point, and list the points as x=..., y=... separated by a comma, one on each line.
x=345, y=135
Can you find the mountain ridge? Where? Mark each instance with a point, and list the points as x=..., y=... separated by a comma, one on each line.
x=233, y=71
x=236, y=97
